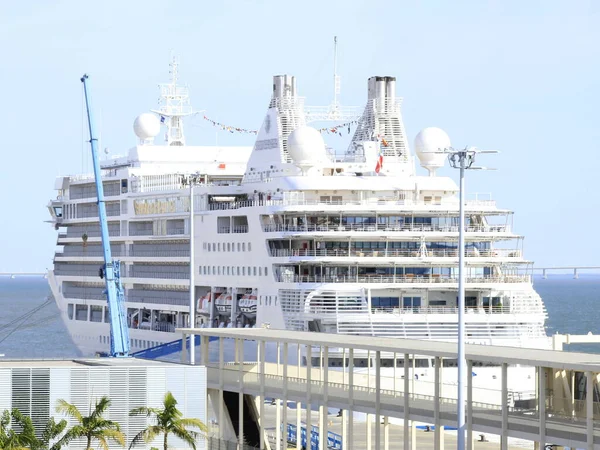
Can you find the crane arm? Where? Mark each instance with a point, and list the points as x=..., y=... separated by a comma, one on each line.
x=119, y=332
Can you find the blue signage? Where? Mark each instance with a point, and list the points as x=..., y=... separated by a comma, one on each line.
x=334, y=440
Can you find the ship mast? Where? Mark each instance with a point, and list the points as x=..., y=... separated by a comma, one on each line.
x=174, y=105
x=336, y=79
x=334, y=112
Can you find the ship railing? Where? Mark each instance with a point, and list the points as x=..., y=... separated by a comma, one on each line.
x=150, y=232
x=92, y=272
x=78, y=232
x=375, y=201
x=173, y=253
x=91, y=251
x=270, y=228
x=159, y=275
x=484, y=310
x=285, y=278
x=82, y=177
x=395, y=253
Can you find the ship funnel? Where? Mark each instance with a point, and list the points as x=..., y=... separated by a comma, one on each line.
x=382, y=87
x=284, y=86
x=381, y=123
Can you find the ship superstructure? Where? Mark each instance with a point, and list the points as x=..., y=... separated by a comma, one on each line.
x=291, y=234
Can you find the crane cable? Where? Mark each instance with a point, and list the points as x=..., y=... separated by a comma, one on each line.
x=19, y=321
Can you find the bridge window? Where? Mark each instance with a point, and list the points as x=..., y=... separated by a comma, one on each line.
x=96, y=313
x=81, y=312
x=70, y=311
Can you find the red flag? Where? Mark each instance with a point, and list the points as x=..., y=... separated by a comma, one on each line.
x=379, y=164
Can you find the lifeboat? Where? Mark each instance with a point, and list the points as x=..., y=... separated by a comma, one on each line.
x=203, y=305
x=248, y=305
x=223, y=304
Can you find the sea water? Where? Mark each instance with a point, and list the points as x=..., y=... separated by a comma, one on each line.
x=573, y=307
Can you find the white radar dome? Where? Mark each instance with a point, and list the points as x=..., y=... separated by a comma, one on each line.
x=428, y=145
x=146, y=126
x=306, y=147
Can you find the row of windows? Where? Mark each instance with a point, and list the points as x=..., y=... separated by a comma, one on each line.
x=240, y=271
x=386, y=302
x=133, y=343
x=226, y=246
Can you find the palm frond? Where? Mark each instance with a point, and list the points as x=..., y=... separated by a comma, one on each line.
x=146, y=435
x=113, y=435
x=75, y=432
x=144, y=411
x=103, y=443
x=69, y=409
x=185, y=435
x=195, y=423
x=100, y=407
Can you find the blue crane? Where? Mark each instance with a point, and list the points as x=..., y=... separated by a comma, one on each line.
x=111, y=271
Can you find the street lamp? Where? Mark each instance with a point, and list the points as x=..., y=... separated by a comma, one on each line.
x=191, y=180
x=463, y=160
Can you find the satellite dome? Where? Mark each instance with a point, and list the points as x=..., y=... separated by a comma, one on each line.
x=306, y=147
x=428, y=143
x=146, y=126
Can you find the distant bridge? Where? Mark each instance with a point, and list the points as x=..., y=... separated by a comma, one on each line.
x=22, y=274
x=575, y=269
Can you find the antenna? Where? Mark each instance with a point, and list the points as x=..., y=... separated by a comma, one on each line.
x=334, y=112
x=174, y=105
x=336, y=77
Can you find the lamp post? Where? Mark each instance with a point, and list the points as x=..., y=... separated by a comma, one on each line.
x=463, y=160
x=191, y=180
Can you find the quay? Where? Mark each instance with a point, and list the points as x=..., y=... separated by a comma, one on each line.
x=558, y=413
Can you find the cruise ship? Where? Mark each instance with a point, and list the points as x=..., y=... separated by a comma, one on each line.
x=290, y=234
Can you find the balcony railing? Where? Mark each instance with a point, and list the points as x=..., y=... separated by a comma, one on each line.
x=399, y=279
x=375, y=201
x=396, y=253
x=234, y=229
x=270, y=228
x=161, y=275
x=454, y=310
x=150, y=232
x=172, y=253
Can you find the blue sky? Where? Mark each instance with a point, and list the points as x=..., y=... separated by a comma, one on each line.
x=520, y=77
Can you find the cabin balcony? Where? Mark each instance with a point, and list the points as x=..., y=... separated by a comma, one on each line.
x=391, y=203
x=512, y=254
x=370, y=228
x=408, y=279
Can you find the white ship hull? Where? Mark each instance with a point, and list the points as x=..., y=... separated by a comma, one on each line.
x=292, y=236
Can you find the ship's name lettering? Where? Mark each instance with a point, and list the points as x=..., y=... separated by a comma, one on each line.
x=266, y=144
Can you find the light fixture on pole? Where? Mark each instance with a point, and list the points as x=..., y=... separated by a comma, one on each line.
x=191, y=180
x=463, y=160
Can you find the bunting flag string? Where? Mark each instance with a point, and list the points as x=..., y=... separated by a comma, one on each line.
x=336, y=128
x=230, y=128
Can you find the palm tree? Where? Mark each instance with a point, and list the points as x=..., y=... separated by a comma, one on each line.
x=26, y=438
x=92, y=427
x=169, y=420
